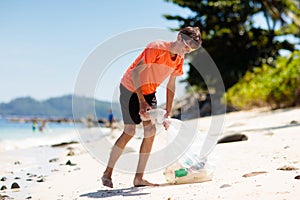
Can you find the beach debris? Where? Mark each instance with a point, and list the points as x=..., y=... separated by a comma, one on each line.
x=17, y=178
x=71, y=153
x=254, y=174
x=3, y=187
x=64, y=144
x=15, y=185
x=53, y=160
x=225, y=186
x=17, y=163
x=70, y=163
x=3, y=178
x=29, y=197
x=31, y=175
x=41, y=179
x=294, y=122
x=287, y=168
x=297, y=177
x=233, y=138
x=29, y=179
x=4, y=197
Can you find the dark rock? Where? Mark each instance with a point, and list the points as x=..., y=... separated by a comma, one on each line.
x=70, y=163
x=28, y=197
x=4, y=197
x=294, y=122
x=297, y=177
x=31, y=175
x=233, y=138
x=64, y=144
x=3, y=187
x=17, y=178
x=17, y=163
x=40, y=180
x=53, y=160
x=287, y=168
x=3, y=179
x=15, y=185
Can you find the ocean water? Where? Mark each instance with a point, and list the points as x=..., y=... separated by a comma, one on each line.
x=15, y=135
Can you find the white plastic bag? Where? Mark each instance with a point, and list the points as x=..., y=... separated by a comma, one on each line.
x=193, y=165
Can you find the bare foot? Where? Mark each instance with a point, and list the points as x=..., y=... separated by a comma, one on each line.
x=106, y=181
x=142, y=183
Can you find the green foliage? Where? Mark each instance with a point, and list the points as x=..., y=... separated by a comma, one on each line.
x=232, y=40
x=277, y=86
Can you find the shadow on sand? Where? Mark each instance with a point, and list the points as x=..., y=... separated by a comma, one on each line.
x=124, y=192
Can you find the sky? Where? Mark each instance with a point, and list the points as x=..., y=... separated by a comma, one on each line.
x=43, y=44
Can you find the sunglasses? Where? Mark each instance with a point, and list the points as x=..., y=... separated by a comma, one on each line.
x=192, y=45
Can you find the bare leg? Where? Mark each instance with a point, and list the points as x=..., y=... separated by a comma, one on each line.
x=146, y=146
x=129, y=131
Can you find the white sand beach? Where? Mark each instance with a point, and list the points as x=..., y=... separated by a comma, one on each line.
x=266, y=166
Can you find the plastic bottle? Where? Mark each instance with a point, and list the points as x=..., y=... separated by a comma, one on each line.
x=181, y=172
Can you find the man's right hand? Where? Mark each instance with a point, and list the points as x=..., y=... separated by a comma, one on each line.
x=144, y=107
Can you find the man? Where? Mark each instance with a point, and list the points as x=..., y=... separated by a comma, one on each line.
x=158, y=61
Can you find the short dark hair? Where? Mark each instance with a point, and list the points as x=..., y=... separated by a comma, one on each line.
x=191, y=33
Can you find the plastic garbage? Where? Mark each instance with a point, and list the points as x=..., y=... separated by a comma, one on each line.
x=178, y=174
x=155, y=115
x=193, y=166
x=190, y=168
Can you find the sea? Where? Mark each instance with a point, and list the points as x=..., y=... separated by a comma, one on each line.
x=21, y=135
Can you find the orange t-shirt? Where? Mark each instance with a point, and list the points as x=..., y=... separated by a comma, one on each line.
x=157, y=57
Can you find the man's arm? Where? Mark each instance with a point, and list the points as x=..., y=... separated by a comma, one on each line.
x=144, y=106
x=170, y=94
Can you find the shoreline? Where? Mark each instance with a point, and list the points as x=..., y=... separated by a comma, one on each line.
x=264, y=166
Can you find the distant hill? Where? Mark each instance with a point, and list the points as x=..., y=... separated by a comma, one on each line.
x=58, y=107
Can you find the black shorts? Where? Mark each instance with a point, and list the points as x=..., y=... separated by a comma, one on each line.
x=130, y=105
